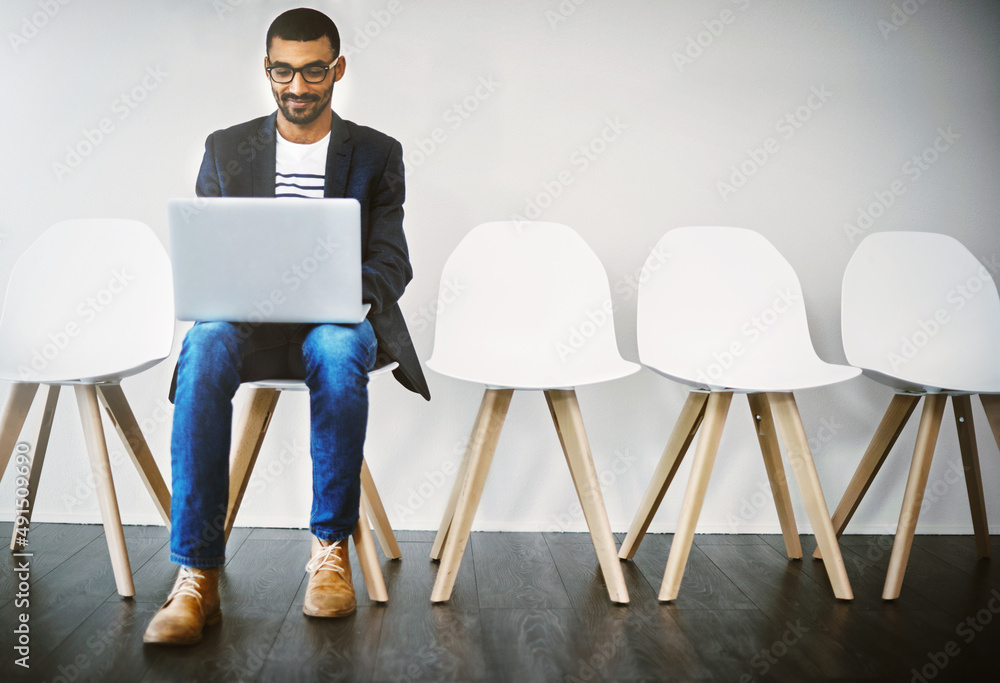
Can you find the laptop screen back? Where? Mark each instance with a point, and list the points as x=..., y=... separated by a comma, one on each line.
x=266, y=260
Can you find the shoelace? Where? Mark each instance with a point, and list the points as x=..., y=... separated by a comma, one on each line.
x=187, y=584
x=327, y=559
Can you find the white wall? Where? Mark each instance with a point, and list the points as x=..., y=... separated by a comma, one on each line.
x=559, y=71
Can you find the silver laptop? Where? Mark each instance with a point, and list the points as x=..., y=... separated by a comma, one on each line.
x=266, y=260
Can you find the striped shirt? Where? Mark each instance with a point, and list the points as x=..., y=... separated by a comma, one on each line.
x=300, y=170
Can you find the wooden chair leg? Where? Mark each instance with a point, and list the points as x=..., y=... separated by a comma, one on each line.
x=673, y=454
x=22, y=516
x=379, y=518
x=565, y=411
x=118, y=409
x=962, y=406
x=93, y=431
x=789, y=423
x=484, y=439
x=441, y=538
x=991, y=406
x=767, y=437
x=916, y=482
x=889, y=429
x=701, y=470
x=480, y=430
x=368, y=558
x=14, y=414
x=250, y=432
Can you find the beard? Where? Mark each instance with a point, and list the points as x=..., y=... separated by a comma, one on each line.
x=318, y=103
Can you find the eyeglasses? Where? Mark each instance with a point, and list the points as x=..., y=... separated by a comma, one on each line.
x=310, y=74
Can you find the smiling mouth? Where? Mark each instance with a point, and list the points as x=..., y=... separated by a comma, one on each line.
x=299, y=102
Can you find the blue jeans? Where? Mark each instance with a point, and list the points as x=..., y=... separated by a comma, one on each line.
x=334, y=360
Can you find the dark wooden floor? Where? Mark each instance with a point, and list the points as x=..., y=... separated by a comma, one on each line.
x=526, y=607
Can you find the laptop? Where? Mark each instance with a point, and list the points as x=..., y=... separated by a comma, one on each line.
x=266, y=260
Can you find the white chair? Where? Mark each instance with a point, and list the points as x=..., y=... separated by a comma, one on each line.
x=250, y=432
x=89, y=303
x=533, y=312
x=921, y=315
x=722, y=312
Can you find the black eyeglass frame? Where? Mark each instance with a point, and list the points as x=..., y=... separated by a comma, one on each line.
x=301, y=70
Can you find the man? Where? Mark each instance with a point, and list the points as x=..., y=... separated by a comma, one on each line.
x=302, y=149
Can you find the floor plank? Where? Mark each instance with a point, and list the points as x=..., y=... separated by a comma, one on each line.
x=632, y=643
x=433, y=643
x=234, y=650
x=727, y=539
x=67, y=595
x=527, y=607
x=796, y=603
x=640, y=641
x=703, y=586
x=264, y=576
x=537, y=645
x=960, y=553
x=409, y=580
x=952, y=590
x=59, y=541
x=107, y=646
x=866, y=577
x=745, y=644
x=517, y=570
x=582, y=580
x=308, y=649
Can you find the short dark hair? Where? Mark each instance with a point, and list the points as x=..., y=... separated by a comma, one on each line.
x=303, y=24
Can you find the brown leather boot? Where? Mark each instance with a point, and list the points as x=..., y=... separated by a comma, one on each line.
x=330, y=592
x=192, y=604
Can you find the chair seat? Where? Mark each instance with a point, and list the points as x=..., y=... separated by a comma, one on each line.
x=754, y=379
x=59, y=379
x=514, y=376
x=300, y=384
x=988, y=383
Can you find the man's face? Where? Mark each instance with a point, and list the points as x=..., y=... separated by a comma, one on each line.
x=301, y=102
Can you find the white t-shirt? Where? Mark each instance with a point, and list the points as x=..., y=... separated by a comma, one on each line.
x=300, y=170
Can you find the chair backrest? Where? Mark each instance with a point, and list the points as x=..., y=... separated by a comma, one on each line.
x=920, y=312
x=88, y=300
x=527, y=306
x=720, y=308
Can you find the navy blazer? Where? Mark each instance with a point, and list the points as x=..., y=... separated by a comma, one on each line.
x=361, y=163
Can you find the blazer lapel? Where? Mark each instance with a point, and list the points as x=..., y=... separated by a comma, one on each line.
x=338, y=159
x=262, y=157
